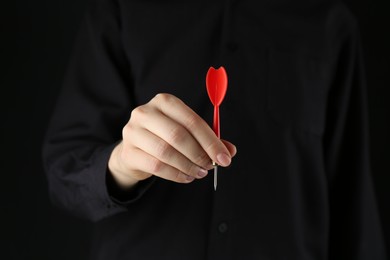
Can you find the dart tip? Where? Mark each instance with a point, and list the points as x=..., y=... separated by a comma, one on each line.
x=215, y=177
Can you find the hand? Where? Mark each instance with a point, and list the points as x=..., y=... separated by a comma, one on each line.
x=167, y=139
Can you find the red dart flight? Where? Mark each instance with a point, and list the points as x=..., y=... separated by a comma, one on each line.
x=216, y=83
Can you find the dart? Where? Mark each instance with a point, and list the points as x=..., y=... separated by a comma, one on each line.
x=216, y=84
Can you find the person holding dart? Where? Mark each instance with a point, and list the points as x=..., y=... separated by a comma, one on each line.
x=135, y=135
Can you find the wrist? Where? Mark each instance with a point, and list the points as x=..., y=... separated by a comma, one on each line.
x=119, y=177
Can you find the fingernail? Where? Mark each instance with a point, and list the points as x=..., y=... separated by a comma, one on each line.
x=189, y=178
x=202, y=173
x=223, y=159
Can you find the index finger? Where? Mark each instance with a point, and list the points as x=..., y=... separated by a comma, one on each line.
x=174, y=108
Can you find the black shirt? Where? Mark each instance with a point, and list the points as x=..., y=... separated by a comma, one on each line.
x=300, y=186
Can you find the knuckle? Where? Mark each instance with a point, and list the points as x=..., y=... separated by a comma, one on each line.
x=177, y=135
x=138, y=113
x=163, y=97
x=163, y=149
x=192, y=121
x=155, y=165
x=163, y=100
x=211, y=147
x=192, y=169
x=126, y=131
x=202, y=159
x=178, y=177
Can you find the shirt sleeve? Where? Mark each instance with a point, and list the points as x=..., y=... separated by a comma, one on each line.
x=93, y=105
x=355, y=229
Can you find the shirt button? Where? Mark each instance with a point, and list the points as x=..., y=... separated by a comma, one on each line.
x=223, y=228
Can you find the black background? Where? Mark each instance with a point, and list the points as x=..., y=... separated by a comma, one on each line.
x=36, y=41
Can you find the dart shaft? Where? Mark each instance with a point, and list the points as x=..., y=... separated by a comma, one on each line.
x=216, y=121
x=217, y=132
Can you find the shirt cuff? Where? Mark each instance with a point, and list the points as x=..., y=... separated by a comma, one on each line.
x=126, y=198
x=120, y=197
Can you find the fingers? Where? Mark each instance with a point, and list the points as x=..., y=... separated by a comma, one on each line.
x=231, y=147
x=140, y=162
x=128, y=165
x=168, y=139
x=175, y=109
x=170, y=133
x=161, y=150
